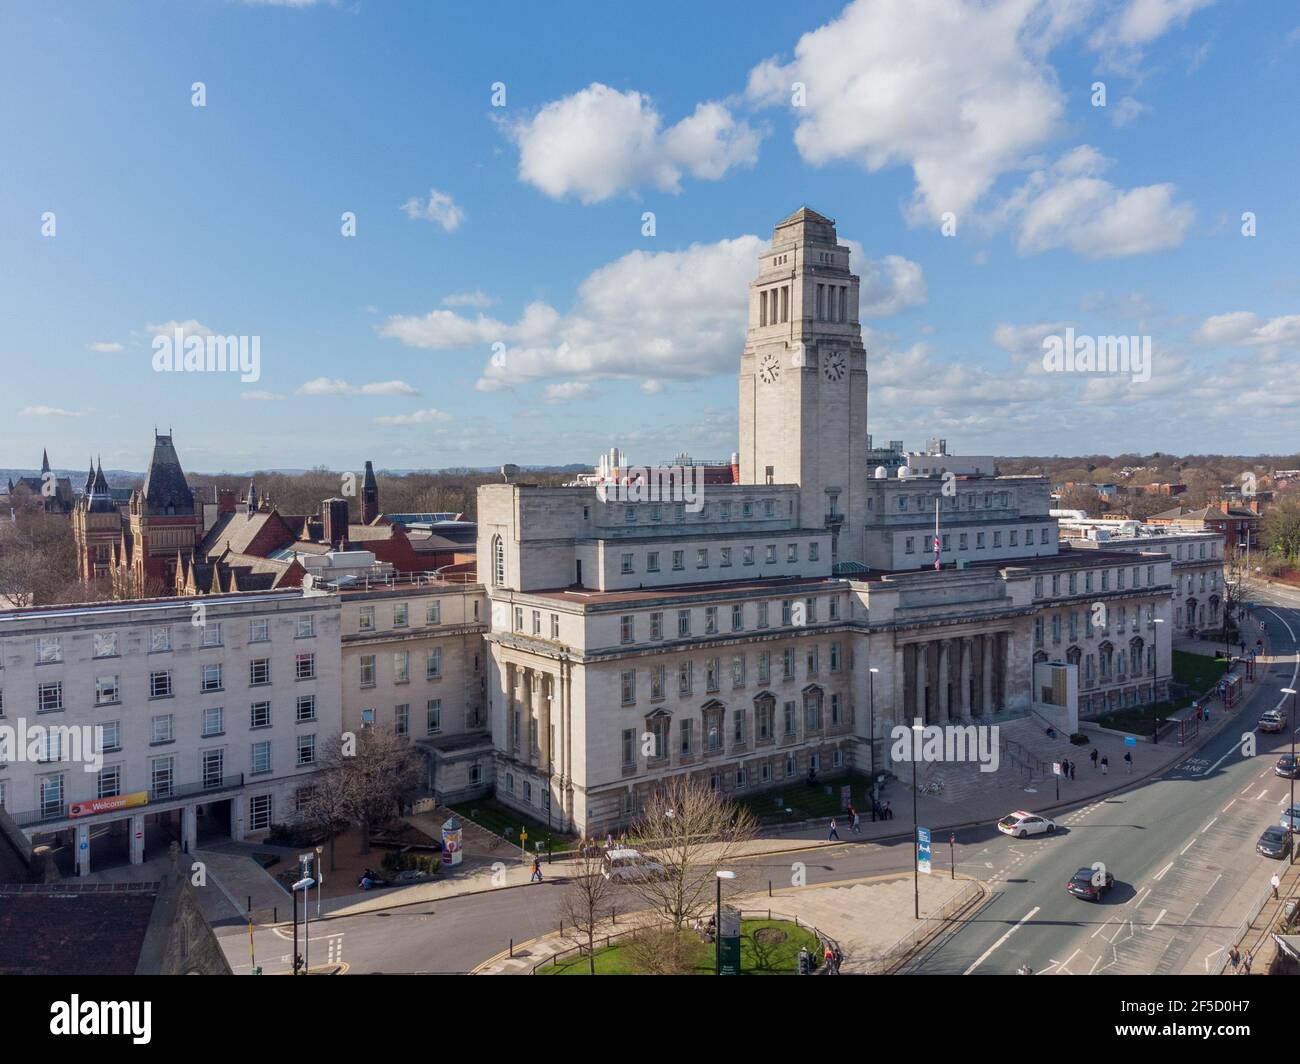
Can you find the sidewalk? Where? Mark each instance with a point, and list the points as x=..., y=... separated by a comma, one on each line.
x=868, y=918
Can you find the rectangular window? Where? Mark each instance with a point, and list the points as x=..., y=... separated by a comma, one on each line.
x=211, y=678
x=657, y=683
x=49, y=697
x=401, y=667
x=305, y=627
x=259, y=715
x=260, y=631
x=214, y=721
x=711, y=620
x=629, y=747
x=433, y=663
x=260, y=761
x=747, y=556
x=791, y=552
x=109, y=736
x=161, y=777
x=402, y=720
x=259, y=672
x=764, y=667
x=106, y=691
x=684, y=678
x=109, y=783
x=555, y=626
x=789, y=717
x=433, y=716
x=161, y=729
x=679, y=560
x=259, y=812
x=627, y=564
x=367, y=673
x=627, y=629
x=305, y=709
x=212, y=762
x=160, y=685
x=724, y=559
x=652, y=561
x=211, y=636
x=683, y=623
x=306, y=748
x=629, y=687
x=738, y=671
x=657, y=625
x=762, y=614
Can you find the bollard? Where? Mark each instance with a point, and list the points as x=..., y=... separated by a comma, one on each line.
x=769, y=888
x=512, y=947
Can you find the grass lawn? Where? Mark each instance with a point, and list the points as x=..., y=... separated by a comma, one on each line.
x=506, y=822
x=757, y=957
x=1137, y=720
x=1197, y=671
x=806, y=803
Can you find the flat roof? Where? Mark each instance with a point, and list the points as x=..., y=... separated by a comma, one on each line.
x=588, y=596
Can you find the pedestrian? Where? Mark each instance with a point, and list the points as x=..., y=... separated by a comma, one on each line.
x=1093, y=755
x=1247, y=962
x=1234, y=958
x=875, y=809
x=1275, y=883
x=1071, y=771
x=888, y=813
x=1105, y=766
x=609, y=840
x=537, y=871
x=1066, y=768
x=857, y=821
x=834, y=833
x=1128, y=760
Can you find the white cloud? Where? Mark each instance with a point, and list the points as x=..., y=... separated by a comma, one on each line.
x=439, y=208
x=647, y=315
x=189, y=327
x=1069, y=205
x=258, y=396
x=955, y=90
x=1127, y=111
x=106, y=348
x=599, y=143
x=335, y=386
x=889, y=285
x=475, y=298
x=47, y=411
x=567, y=391
x=420, y=417
x=1135, y=24
x=1244, y=328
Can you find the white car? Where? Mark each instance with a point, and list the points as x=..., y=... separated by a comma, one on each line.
x=1019, y=824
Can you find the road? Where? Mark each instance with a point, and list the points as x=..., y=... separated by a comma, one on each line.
x=1181, y=847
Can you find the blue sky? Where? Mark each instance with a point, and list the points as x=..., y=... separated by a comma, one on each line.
x=522, y=225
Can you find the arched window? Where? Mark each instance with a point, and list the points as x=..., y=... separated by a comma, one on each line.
x=498, y=562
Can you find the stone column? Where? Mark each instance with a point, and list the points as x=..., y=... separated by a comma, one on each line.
x=888, y=710
x=545, y=692
x=190, y=828
x=945, y=679
x=978, y=706
x=987, y=673
x=83, y=849
x=935, y=673
x=237, y=806
x=902, y=711
x=137, y=838
x=1010, y=687
x=964, y=673
x=917, y=709
x=512, y=681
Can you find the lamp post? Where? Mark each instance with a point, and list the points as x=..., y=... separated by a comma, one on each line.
x=871, y=703
x=1155, y=721
x=717, y=922
x=917, y=728
x=1292, y=774
x=320, y=876
x=305, y=884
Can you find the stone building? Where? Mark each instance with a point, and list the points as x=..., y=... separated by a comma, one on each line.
x=751, y=632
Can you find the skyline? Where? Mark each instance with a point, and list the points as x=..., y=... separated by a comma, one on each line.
x=523, y=225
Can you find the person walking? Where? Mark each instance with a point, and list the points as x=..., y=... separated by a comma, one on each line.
x=1093, y=755
x=834, y=834
x=1275, y=882
x=537, y=871
x=1071, y=771
x=1234, y=958
x=856, y=821
x=1128, y=760
x=1105, y=766
x=1247, y=962
x=875, y=809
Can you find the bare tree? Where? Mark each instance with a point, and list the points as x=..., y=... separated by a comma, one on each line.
x=38, y=556
x=370, y=775
x=588, y=898
x=693, y=832
x=326, y=806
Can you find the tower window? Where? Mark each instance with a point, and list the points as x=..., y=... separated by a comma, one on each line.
x=498, y=562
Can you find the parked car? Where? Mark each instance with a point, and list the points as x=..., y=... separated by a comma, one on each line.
x=623, y=865
x=1288, y=767
x=1272, y=721
x=1275, y=842
x=1019, y=824
x=1291, y=818
x=1090, y=884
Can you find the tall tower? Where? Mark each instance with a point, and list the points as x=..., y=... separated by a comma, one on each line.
x=165, y=523
x=803, y=380
x=369, y=496
x=96, y=528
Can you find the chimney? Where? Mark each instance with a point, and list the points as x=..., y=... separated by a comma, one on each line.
x=225, y=500
x=735, y=467
x=334, y=512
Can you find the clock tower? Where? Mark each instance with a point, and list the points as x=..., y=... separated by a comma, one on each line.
x=803, y=380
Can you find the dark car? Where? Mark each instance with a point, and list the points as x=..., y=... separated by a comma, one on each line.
x=1275, y=842
x=1089, y=884
x=1288, y=767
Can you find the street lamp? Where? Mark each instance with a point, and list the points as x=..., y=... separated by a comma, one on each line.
x=871, y=702
x=320, y=876
x=1292, y=774
x=717, y=922
x=917, y=728
x=1155, y=721
x=305, y=884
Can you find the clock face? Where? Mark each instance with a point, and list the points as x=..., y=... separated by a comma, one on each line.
x=834, y=366
x=769, y=369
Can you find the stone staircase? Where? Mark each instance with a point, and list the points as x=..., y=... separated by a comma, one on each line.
x=1025, y=753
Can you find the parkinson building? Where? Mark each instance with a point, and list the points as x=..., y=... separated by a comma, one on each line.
x=784, y=623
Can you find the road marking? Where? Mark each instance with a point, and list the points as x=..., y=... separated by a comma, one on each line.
x=1094, y=966
x=1161, y=874
x=1186, y=848
x=1139, y=899
x=1010, y=931
x=1208, y=826
x=1101, y=928
x=1158, y=919
x=1248, y=789
x=1228, y=806
x=1208, y=956
x=1262, y=794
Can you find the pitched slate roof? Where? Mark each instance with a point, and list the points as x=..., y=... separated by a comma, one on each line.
x=165, y=487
